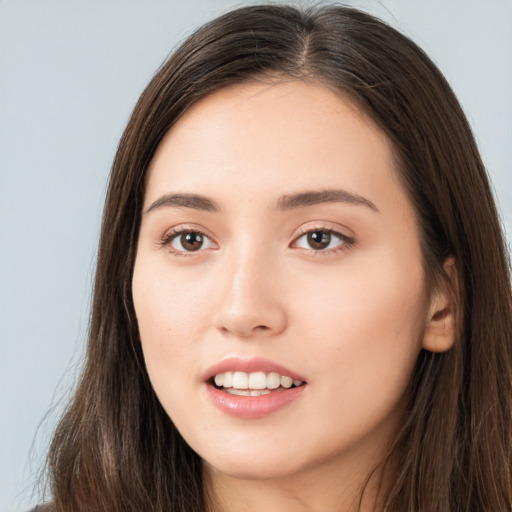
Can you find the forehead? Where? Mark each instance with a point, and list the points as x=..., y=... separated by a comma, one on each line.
x=261, y=136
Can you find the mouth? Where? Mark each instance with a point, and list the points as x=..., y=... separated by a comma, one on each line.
x=252, y=388
x=253, y=384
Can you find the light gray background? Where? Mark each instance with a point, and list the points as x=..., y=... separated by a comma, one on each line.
x=70, y=72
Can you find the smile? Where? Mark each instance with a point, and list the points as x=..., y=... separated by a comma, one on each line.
x=253, y=384
x=252, y=388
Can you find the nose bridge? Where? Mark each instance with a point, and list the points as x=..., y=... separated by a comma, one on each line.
x=247, y=264
x=251, y=304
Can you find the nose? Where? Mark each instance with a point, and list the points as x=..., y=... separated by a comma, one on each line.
x=251, y=304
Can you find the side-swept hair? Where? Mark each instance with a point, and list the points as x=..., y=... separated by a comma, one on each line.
x=116, y=449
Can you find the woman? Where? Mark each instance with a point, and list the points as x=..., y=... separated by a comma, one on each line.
x=302, y=297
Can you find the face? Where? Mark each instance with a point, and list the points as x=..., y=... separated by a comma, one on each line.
x=278, y=283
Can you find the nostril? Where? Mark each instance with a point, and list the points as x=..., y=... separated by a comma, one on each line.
x=244, y=333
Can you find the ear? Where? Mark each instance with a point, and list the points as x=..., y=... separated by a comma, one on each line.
x=441, y=322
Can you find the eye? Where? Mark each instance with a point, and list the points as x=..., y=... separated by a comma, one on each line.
x=188, y=241
x=322, y=240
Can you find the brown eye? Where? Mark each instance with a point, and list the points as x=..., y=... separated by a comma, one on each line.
x=189, y=241
x=323, y=241
x=319, y=240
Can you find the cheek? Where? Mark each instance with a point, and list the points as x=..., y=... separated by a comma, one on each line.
x=365, y=330
x=166, y=315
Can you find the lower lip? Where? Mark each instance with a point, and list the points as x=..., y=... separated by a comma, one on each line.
x=251, y=407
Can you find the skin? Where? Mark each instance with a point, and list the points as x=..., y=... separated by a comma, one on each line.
x=350, y=318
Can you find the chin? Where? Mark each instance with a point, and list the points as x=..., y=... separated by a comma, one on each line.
x=250, y=469
x=266, y=460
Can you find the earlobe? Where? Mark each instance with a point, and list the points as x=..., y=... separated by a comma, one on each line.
x=441, y=324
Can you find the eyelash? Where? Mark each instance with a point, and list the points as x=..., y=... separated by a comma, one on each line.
x=175, y=233
x=345, y=244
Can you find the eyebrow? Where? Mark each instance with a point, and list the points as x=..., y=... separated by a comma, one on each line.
x=185, y=200
x=308, y=198
x=285, y=202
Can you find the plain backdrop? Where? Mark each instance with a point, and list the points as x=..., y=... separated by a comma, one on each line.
x=70, y=73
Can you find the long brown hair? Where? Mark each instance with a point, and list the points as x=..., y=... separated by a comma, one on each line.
x=116, y=449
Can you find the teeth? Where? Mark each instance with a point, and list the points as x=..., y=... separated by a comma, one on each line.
x=240, y=380
x=247, y=392
x=259, y=392
x=257, y=380
x=228, y=380
x=273, y=380
x=246, y=384
x=286, y=382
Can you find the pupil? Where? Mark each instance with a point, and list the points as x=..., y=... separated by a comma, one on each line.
x=319, y=239
x=192, y=241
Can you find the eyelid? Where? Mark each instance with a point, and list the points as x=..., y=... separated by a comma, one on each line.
x=171, y=234
x=319, y=225
x=329, y=227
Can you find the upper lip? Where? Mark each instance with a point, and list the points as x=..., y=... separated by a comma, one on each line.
x=250, y=365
